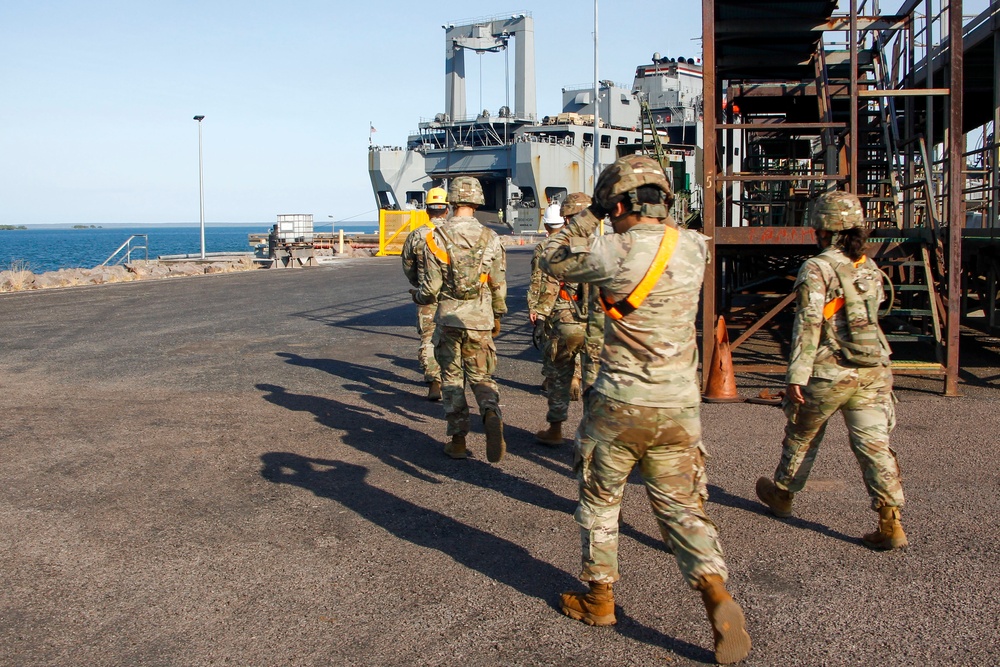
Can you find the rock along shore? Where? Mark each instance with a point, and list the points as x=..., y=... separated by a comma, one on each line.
x=19, y=279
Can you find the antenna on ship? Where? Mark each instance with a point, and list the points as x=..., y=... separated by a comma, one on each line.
x=597, y=106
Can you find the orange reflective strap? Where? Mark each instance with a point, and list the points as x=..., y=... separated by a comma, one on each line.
x=435, y=249
x=663, y=254
x=668, y=244
x=483, y=277
x=832, y=307
x=566, y=296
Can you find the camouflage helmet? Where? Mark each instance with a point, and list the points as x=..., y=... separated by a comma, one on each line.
x=466, y=190
x=627, y=174
x=837, y=211
x=573, y=204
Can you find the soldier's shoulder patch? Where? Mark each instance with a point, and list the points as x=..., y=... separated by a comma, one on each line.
x=560, y=254
x=578, y=244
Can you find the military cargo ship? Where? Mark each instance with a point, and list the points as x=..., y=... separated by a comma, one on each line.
x=526, y=161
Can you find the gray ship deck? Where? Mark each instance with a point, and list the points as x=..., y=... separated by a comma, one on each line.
x=241, y=469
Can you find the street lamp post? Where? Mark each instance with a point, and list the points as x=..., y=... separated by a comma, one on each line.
x=201, y=186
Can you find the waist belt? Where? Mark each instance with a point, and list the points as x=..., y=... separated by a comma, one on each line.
x=624, y=307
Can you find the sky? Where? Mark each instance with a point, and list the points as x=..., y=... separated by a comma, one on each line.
x=98, y=97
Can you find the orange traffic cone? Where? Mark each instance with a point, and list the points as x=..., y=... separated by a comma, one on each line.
x=721, y=385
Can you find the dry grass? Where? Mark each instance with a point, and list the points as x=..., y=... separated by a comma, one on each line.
x=17, y=277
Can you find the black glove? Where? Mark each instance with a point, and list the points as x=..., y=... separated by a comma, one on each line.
x=538, y=335
x=413, y=295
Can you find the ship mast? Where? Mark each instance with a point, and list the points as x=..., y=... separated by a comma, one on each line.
x=597, y=107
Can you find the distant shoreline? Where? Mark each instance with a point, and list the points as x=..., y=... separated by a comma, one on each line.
x=153, y=225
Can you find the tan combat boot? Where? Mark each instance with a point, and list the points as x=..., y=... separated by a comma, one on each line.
x=551, y=436
x=595, y=607
x=456, y=448
x=890, y=533
x=434, y=390
x=495, y=445
x=576, y=389
x=778, y=500
x=732, y=643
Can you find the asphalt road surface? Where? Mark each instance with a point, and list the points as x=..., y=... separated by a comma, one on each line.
x=242, y=469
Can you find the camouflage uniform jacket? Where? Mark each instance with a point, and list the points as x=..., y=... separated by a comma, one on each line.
x=438, y=283
x=650, y=357
x=413, y=254
x=548, y=297
x=813, y=353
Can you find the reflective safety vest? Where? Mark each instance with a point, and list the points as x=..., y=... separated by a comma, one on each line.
x=619, y=309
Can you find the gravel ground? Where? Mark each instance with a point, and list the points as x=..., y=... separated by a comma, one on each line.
x=242, y=469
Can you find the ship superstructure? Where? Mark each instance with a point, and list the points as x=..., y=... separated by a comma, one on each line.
x=524, y=161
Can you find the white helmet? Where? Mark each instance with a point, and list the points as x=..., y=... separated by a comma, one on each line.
x=552, y=218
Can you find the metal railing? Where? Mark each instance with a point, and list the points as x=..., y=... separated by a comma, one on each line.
x=128, y=247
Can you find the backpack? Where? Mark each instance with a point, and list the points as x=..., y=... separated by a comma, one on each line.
x=467, y=277
x=856, y=295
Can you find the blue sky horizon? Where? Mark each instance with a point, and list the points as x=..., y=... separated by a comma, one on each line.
x=100, y=95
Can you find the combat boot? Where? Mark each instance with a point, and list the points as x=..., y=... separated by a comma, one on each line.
x=551, y=436
x=890, y=533
x=595, y=607
x=778, y=500
x=456, y=448
x=732, y=643
x=576, y=389
x=495, y=445
x=434, y=390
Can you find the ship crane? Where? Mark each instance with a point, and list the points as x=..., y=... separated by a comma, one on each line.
x=647, y=119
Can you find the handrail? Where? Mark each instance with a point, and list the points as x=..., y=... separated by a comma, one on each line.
x=128, y=247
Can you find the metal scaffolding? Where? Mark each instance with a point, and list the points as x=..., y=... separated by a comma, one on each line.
x=800, y=100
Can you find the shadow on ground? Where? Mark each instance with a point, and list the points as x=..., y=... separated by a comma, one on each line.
x=495, y=557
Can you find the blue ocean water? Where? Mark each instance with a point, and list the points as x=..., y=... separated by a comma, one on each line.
x=51, y=247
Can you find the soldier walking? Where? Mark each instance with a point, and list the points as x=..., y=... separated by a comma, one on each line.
x=413, y=266
x=840, y=361
x=563, y=319
x=643, y=408
x=465, y=274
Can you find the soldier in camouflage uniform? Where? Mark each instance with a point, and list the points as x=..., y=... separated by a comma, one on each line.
x=564, y=326
x=840, y=361
x=643, y=408
x=465, y=274
x=413, y=266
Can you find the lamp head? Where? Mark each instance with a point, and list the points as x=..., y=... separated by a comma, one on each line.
x=199, y=118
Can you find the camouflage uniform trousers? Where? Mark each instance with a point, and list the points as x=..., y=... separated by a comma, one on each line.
x=425, y=353
x=466, y=356
x=563, y=343
x=864, y=396
x=666, y=444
